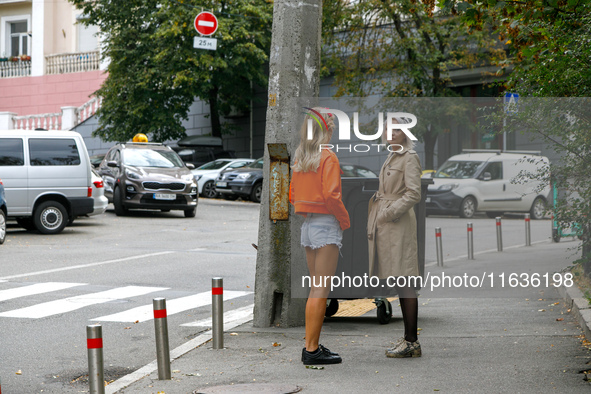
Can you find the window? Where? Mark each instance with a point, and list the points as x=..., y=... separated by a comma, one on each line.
x=11, y=152
x=495, y=170
x=53, y=152
x=19, y=39
x=87, y=36
x=14, y=31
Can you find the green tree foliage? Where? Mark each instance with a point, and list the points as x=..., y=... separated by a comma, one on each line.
x=550, y=54
x=401, y=48
x=154, y=73
x=549, y=42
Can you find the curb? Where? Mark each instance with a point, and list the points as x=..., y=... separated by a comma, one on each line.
x=579, y=307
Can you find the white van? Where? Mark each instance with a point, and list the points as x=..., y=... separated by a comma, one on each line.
x=47, y=178
x=488, y=181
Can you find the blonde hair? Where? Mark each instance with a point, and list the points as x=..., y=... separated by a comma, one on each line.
x=308, y=153
x=408, y=144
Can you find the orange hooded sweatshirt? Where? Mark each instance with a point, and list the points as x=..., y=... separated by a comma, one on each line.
x=320, y=191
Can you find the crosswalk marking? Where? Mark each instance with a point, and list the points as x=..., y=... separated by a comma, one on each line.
x=146, y=312
x=229, y=317
x=37, y=288
x=73, y=303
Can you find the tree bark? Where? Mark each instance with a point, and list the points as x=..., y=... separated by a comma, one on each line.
x=216, y=126
x=429, y=140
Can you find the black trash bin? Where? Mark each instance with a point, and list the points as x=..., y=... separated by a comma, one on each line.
x=354, y=260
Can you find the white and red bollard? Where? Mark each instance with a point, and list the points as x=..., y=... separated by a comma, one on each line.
x=217, y=304
x=94, y=344
x=439, y=246
x=470, y=242
x=162, y=347
x=499, y=235
x=527, y=230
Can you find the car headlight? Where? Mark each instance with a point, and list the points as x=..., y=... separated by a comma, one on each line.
x=132, y=175
x=188, y=178
x=197, y=177
x=448, y=187
x=243, y=176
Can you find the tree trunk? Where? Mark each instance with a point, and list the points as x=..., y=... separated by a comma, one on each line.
x=216, y=126
x=429, y=139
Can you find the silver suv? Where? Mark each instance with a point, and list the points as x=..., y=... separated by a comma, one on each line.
x=148, y=176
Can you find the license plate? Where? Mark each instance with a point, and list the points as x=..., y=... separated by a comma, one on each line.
x=221, y=184
x=162, y=196
x=428, y=199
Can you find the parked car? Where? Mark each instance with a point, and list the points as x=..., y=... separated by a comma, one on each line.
x=207, y=174
x=47, y=178
x=356, y=171
x=98, y=193
x=3, y=211
x=246, y=182
x=487, y=181
x=148, y=176
x=95, y=160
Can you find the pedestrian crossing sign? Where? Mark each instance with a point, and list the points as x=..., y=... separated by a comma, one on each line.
x=511, y=100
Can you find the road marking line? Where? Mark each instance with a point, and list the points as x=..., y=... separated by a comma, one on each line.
x=229, y=317
x=73, y=303
x=174, y=354
x=465, y=256
x=141, y=256
x=146, y=312
x=37, y=288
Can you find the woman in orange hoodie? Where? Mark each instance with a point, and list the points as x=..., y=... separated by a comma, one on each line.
x=315, y=192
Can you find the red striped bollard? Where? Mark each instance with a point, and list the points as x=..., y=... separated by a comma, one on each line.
x=470, y=242
x=499, y=235
x=94, y=343
x=439, y=246
x=217, y=304
x=162, y=348
x=527, y=230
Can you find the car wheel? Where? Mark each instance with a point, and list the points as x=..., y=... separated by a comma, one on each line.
x=26, y=223
x=50, y=217
x=538, y=208
x=209, y=190
x=120, y=210
x=257, y=191
x=468, y=207
x=2, y=226
x=190, y=213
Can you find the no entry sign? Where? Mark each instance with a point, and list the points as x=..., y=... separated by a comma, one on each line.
x=206, y=23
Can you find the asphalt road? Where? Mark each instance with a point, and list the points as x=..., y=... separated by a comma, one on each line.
x=101, y=257
x=104, y=266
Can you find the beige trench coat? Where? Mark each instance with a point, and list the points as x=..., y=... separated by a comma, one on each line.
x=391, y=222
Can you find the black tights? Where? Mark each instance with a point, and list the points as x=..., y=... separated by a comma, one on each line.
x=409, y=304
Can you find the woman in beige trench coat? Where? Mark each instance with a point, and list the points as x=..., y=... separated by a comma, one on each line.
x=392, y=234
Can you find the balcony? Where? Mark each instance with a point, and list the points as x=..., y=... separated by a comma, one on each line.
x=15, y=68
x=65, y=63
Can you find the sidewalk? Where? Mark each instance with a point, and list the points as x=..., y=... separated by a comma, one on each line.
x=528, y=343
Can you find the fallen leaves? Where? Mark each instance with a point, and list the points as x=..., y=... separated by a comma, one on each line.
x=313, y=367
x=19, y=372
x=560, y=319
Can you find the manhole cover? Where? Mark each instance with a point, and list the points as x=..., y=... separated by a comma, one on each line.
x=263, y=388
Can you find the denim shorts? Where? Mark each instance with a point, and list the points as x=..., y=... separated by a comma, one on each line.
x=320, y=230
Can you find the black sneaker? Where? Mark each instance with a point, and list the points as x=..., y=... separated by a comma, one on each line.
x=320, y=356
